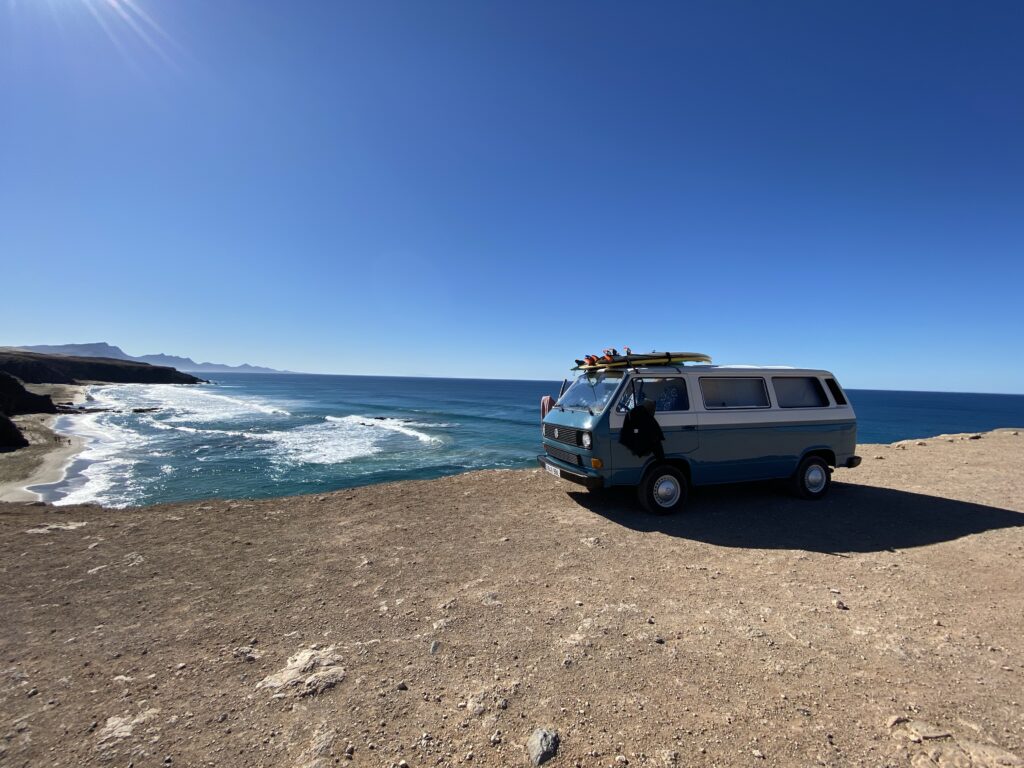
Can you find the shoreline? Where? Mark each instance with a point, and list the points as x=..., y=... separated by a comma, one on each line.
x=49, y=455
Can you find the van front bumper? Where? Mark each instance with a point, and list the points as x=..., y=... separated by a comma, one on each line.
x=575, y=476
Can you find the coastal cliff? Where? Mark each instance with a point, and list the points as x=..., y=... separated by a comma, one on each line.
x=36, y=368
x=15, y=400
x=449, y=622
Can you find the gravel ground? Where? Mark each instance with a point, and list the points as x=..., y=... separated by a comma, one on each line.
x=443, y=622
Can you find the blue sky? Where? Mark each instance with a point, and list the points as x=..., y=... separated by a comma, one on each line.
x=491, y=189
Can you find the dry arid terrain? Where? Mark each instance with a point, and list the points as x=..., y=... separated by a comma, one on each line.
x=442, y=622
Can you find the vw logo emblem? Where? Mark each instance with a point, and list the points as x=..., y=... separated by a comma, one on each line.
x=556, y=433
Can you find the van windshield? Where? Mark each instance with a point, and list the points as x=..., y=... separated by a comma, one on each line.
x=591, y=391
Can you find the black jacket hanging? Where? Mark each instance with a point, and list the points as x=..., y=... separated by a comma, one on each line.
x=641, y=432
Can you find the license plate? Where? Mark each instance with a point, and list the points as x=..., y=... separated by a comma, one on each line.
x=553, y=470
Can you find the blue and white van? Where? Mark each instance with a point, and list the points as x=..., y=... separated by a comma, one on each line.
x=721, y=424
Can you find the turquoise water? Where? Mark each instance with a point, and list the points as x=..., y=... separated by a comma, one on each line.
x=274, y=435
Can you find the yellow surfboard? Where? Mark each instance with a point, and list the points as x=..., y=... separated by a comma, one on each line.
x=651, y=358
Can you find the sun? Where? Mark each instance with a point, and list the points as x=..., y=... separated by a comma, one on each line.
x=126, y=23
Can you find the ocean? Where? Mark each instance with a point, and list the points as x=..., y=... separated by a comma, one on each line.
x=252, y=436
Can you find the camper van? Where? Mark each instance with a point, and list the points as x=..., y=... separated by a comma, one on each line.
x=706, y=424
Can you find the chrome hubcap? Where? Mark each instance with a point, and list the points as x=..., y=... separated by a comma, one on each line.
x=666, y=491
x=814, y=478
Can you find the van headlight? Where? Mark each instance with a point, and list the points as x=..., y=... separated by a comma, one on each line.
x=585, y=439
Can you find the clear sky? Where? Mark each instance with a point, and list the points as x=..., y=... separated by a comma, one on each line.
x=493, y=188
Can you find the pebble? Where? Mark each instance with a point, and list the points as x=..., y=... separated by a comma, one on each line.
x=840, y=605
x=403, y=687
x=542, y=745
x=435, y=646
x=757, y=753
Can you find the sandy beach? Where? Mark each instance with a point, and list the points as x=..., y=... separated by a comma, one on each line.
x=441, y=622
x=48, y=454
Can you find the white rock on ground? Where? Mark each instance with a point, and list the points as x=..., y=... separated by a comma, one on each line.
x=308, y=672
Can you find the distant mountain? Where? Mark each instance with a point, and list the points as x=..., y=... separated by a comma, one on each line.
x=102, y=349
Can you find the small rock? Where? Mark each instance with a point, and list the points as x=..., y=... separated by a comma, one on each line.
x=542, y=745
x=840, y=605
x=977, y=437
x=895, y=720
x=402, y=686
x=350, y=750
x=32, y=692
x=621, y=760
x=879, y=457
x=435, y=646
x=309, y=672
x=246, y=653
x=921, y=442
x=659, y=640
x=182, y=666
x=757, y=753
x=928, y=731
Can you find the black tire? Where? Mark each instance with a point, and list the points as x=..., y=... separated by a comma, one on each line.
x=663, y=490
x=812, y=478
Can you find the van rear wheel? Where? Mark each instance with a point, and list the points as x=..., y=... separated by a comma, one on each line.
x=663, y=490
x=812, y=478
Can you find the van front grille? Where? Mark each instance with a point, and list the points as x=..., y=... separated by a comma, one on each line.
x=568, y=458
x=567, y=435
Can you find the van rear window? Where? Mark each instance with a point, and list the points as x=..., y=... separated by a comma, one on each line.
x=734, y=392
x=836, y=390
x=799, y=392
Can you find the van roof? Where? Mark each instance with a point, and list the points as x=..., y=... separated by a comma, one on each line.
x=734, y=369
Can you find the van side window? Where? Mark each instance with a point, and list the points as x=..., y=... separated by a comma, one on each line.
x=734, y=392
x=668, y=394
x=799, y=392
x=837, y=392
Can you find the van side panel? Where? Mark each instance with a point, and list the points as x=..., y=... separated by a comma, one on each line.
x=765, y=448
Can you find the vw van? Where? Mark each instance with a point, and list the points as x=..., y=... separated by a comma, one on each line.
x=721, y=424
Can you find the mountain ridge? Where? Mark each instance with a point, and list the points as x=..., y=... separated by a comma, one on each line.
x=104, y=349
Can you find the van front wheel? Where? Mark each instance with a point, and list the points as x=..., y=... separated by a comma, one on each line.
x=663, y=490
x=812, y=478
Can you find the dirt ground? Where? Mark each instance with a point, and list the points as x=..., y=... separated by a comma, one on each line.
x=441, y=622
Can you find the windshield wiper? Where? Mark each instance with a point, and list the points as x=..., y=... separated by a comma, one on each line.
x=578, y=406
